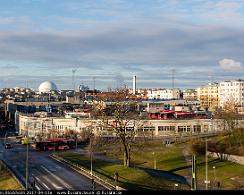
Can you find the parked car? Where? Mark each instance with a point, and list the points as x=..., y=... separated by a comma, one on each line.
x=8, y=146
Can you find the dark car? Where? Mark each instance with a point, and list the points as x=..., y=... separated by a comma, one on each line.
x=7, y=145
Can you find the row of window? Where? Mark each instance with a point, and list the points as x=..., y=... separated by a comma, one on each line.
x=232, y=84
x=196, y=128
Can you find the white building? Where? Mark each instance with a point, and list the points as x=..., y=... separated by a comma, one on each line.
x=232, y=90
x=47, y=87
x=163, y=94
x=51, y=126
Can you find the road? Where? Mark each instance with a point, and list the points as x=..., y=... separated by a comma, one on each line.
x=47, y=173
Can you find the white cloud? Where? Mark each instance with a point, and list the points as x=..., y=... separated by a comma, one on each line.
x=229, y=64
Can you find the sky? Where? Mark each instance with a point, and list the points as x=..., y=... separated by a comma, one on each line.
x=109, y=41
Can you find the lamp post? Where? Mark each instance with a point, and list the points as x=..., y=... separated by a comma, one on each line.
x=5, y=137
x=214, y=175
x=176, y=185
x=27, y=158
x=206, y=162
x=91, y=151
x=26, y=170
x=154, y=161
x=76, y=141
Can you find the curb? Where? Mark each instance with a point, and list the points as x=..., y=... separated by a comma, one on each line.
x=86, y=173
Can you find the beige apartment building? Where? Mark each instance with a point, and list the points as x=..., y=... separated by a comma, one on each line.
x=208, y=95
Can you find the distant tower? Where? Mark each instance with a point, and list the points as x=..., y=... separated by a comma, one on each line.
x=134, y=84
x=173, y=79
x=73, y=78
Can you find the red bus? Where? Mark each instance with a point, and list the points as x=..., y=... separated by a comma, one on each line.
x=55, y=144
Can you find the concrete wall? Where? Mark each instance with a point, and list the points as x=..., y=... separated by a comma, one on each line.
x=232, y=158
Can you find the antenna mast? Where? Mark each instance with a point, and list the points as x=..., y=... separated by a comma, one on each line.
x=73, y=78
x=173, y=79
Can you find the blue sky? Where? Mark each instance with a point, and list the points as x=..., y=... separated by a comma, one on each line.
x=112, y=40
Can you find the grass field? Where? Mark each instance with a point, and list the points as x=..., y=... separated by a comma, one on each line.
x=170, y=159
x=129, y=178
x=7, y=182
x=229, y=174
x=145, y=154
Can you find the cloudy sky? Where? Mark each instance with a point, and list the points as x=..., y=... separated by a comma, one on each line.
x=109, y=41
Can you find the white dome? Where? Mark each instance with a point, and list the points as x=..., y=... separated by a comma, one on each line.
x=47, y=86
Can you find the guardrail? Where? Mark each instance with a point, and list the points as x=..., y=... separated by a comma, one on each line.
x=97, y=178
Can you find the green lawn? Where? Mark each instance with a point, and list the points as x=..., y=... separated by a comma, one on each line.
x=229, y=174
x=7, y=182
x=129, y=178
x=167, y=158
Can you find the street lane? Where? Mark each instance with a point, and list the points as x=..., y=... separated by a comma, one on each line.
x=47, y=173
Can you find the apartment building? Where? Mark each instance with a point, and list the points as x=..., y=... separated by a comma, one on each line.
x=190, y=94
x=163, y=94
x=233, y=91
x=208, y=95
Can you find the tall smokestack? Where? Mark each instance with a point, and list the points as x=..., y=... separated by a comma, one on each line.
x=134, y=84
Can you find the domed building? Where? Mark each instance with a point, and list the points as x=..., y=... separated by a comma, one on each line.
x=47, y=87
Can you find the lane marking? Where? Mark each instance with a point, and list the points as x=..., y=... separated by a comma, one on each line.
x=37, y=187
x=37, y=178
x=48, y=180
x=56, y=177
x=45, y=186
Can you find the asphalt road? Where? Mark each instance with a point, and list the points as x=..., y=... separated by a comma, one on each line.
x=47, y=173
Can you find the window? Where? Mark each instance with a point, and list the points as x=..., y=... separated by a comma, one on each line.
x=149, y=128
x=129, y=128
x=197, y=128
x=184, y=128
x=166, y=128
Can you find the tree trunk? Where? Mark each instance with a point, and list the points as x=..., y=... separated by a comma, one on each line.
x=126, y=156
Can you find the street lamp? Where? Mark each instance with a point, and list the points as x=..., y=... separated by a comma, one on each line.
x=206, y=162
x=91, y=150
x=154, y=161
x=214, y=175
x=27, y=158
x=176, y=185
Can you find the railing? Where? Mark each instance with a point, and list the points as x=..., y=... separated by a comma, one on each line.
x=98, y=178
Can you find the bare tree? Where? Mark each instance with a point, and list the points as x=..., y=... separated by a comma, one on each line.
x=122, y=120
x=229, y=115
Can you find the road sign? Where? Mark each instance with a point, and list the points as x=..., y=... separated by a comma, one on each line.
x=206, y=181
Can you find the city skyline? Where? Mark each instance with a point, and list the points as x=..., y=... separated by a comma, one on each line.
x=110, y=41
